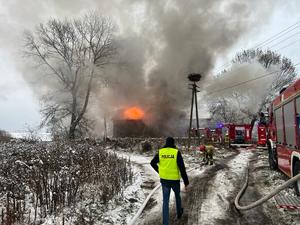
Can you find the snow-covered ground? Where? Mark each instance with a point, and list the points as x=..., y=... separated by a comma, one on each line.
x=265, y=181
x=216, y=204
x=195, y=168
x=209, y=200
x=43, y=136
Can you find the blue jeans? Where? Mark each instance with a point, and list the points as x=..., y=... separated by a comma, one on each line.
x=166, y=188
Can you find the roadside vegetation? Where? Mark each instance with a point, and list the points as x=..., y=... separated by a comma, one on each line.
x=39, y=179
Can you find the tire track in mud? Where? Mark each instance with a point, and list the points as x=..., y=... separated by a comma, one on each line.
x=190, y=201
x=249, y=217
x=200, y=188
x=204, y=185
x=256, y=215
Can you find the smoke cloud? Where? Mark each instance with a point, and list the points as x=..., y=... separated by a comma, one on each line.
x=160, y=43
x=245, y=85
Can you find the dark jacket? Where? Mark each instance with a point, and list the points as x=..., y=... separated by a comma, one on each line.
x=180, y=165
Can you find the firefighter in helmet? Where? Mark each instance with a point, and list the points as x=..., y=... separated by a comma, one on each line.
x=208, y=154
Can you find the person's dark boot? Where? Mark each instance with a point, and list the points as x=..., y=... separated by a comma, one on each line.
x=180, y=214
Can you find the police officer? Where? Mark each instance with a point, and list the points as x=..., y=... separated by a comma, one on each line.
x=169, y=164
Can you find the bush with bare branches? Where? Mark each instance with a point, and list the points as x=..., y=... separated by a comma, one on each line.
x=38, y=179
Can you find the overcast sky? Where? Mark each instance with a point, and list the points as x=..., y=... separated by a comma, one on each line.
x=19, y=106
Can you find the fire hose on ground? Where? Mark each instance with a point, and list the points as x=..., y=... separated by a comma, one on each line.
x=137, y=215
x=237, y=198
x=133, y=221
x=263, y=199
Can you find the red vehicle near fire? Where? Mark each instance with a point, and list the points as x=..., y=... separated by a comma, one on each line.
x=245, y=135
x=259, y=134
x=283, y=132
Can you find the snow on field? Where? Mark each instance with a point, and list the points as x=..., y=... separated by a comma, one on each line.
x=222, y=189
x=88, y=209
x=27, y=135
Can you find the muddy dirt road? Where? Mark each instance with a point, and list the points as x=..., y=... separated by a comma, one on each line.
x=211, y=195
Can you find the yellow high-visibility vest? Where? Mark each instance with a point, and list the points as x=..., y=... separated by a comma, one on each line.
x=167, y=166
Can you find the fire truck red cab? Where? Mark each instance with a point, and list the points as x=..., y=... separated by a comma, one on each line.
x=283, y=132
x=239, y=134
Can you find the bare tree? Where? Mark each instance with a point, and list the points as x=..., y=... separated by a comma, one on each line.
x=228, y=109
x=72, y=52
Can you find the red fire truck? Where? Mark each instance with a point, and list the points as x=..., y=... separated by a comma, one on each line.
x=208, y=134
x=259, y=134
x=283, y=132
x=239, y=134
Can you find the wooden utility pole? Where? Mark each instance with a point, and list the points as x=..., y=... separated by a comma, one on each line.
x=194, y=78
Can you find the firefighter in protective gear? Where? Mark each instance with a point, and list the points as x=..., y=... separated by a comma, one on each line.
x=208, y=154
x=168, y=162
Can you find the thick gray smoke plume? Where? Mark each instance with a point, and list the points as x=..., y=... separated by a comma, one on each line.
x=160, y=43
x=244, y=87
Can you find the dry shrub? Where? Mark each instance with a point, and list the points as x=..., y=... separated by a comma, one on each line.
x=55, y=175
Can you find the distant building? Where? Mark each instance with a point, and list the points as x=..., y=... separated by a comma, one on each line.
x=138, y=128
x=131, y=128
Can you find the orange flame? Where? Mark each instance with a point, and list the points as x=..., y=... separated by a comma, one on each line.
x=134, y=113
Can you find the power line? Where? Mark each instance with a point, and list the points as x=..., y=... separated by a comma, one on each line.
x=247, y=81
x=228, y=63
x=288, y=45
x=278, y=43
x=270, y=40
x=244, y=82
x=267, y=41
x=283, y=31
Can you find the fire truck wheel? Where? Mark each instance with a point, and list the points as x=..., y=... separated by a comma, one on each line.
x=297, y=183
x=272, y=159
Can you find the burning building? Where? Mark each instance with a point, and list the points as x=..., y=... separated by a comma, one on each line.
x=131, y=123
x=135, y=122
